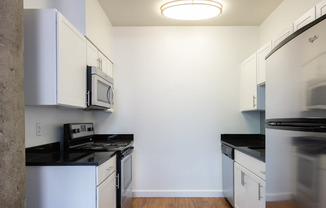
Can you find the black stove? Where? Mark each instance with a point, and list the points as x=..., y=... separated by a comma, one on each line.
x=81, y=136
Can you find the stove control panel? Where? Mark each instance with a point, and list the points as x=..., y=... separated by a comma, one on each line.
x=79, y=130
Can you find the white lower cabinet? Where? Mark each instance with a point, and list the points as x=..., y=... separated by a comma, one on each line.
x=82, y=186
x=249, y=189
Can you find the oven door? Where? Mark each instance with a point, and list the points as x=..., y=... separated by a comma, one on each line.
x=126, y=180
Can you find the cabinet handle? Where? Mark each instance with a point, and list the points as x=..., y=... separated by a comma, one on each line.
x=254, y=101
x=99, y=63
x=110, y=168
x=118, y=184
x=242, y=179
x=311, y=40
x=87, y=100
x=259, y=192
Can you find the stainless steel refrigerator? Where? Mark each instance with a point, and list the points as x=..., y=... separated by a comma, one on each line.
x=296, y=120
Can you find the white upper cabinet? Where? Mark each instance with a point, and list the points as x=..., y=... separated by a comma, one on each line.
x=71, y=60
x=261, y=69
x=87, y=16
x=92, y=55
x=276, y=40
x=305, y=19
x=98, y=59
x=248, y=84
x=55, y=60
x=321, y=9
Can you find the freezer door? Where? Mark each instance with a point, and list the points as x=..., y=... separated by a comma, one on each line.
x=296, y=76
x=295, y=169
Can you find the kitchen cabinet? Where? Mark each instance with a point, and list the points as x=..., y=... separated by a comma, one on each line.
x=55, y=60
x=82, y=186
x=249, y=186
x=248, y=84
x=320, y=9
x=251, y=95
x=279, y=38
x=261, y=69
x=98, y=59
x=87, y=16
x=305, y=19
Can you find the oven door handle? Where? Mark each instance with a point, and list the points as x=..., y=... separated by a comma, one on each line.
x=127, y=152
x=118, y=181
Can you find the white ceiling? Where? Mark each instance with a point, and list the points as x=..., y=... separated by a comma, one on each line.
x=147, y=13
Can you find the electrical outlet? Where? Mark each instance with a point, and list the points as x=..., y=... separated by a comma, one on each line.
x=38, y=129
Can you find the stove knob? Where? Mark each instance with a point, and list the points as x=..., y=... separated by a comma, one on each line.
x=74, y=131
x=90, y=129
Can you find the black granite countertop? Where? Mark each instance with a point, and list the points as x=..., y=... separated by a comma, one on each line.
x=50, y=155
x=250, y=144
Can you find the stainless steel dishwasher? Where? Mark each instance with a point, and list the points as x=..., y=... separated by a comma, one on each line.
x=227, y=172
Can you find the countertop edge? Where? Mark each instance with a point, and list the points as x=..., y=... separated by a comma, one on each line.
x=244, y=151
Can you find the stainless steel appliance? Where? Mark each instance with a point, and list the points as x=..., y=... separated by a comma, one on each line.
x=81, y=137
x=124, y=188
x=100, y=89
x=296, y=119
x=228, y=172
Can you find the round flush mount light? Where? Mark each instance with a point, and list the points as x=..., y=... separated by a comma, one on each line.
x=191, y=9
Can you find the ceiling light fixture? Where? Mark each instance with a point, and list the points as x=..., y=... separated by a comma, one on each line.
x=191, y=9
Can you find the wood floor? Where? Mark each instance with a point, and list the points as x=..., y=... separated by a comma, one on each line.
x=180, y=203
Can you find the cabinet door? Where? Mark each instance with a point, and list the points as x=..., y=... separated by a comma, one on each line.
x=254, y=189
x=276, y=40
x=249, y=189
x=240, y=190
x=71, y=58
x=106, y=193
x=106, y=65
x=261, y=54
x=304, y=19
x=92, y=55
x=248, y=84
x=321, y=9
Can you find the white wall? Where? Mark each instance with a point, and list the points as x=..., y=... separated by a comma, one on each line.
x=52, y=120
x=73, y=10
x=282, y=17
x=177, y=91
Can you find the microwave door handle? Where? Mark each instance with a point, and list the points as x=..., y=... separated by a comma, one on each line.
x=108, y=95
x=112, y=95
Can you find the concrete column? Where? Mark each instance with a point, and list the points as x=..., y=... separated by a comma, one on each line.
x=12, y=124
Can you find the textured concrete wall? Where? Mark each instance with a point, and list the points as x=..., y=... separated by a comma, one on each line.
x=12, y=133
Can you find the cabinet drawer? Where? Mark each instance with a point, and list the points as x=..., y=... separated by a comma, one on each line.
x=254, y=165
x=106, y=169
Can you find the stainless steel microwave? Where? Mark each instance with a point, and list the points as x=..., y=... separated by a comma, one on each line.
x=100, y=91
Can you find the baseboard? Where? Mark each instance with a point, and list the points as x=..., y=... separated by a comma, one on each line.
x=178, y=193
